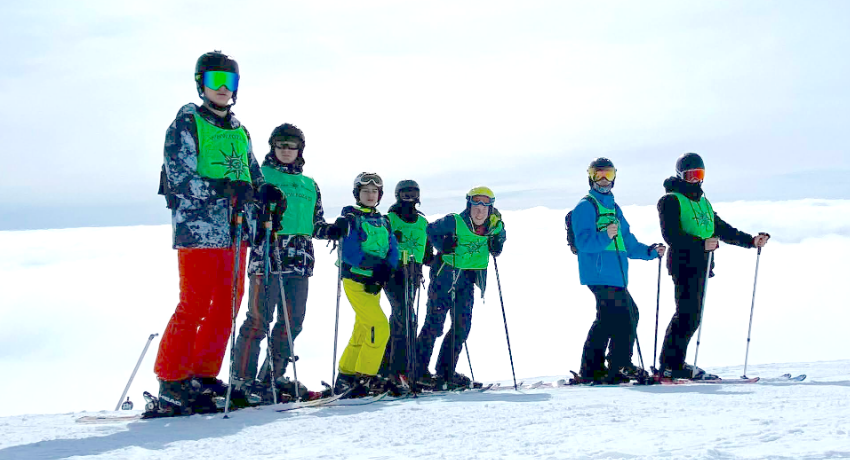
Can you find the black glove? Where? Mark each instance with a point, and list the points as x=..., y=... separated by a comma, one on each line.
x=271, y=198
x=491, y=246
x=373, y=289
x=239, y=190
x=338, y=229
x=382, y=273
x=449, y=244
x=398, y=235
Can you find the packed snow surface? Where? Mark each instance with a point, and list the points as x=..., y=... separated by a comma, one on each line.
x=768, y=419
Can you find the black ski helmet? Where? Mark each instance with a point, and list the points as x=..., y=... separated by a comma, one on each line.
x=688, y=162
x=407, y=183
x=288, y=132
x=214, y=60
x=598, y=163
x=366, y=178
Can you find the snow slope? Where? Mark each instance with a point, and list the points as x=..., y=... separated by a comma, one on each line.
x=762, y=420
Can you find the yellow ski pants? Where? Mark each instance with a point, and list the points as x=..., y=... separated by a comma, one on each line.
x=365, y=350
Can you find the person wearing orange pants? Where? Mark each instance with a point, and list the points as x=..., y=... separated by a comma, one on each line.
x=209, y=173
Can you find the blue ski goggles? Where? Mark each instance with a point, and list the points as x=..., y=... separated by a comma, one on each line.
x=215, y=79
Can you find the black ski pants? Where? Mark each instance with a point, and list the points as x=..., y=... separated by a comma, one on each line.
x=613, y=323
x=403, y=322
x=689, y=292
x=441, y=303
x=261, y=310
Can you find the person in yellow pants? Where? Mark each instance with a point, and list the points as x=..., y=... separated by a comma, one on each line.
x=369, y=255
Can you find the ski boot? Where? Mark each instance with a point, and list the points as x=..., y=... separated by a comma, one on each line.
x=287, y=387
x=173, y=400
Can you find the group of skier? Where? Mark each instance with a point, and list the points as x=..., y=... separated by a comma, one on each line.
x=601, y=237
x=225, y=206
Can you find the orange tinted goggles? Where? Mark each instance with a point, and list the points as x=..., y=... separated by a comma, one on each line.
x=597, y=174
x=694, y=175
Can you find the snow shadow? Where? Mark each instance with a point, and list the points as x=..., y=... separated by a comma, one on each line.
x=154, y=434
x=706, y=389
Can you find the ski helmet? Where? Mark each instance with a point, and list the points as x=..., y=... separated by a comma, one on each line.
x=288, y=132
x=406, y=184
x=687, y=162
x=214, y=60
x=600, y=163
x=480, y=191
x=367, y=178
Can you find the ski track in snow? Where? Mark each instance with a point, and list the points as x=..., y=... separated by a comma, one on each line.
x=762, y=420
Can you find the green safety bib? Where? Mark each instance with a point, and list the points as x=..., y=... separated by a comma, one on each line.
x=471, y=252
x=377, y=243
x=413, y=237
x=606, y=217
x=222, y=153
x=301, y=197
x=697, y=218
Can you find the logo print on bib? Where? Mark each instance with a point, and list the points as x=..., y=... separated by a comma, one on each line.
x=233, y=163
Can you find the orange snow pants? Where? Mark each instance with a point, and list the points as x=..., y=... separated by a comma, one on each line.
x=195, y=339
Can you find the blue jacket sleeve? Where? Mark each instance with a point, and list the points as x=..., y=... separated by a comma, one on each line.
x=392, y=254
x=634, y=248
x=584, y=227
x=441, y=229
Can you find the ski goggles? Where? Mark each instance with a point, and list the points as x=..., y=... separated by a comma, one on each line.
x=597, y=174
x=480, y=200
x=215, y=79
x=370, y=178
x=408, y=194
x=282, y=145
x=694, y=175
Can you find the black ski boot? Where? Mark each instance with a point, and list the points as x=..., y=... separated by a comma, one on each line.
x=173, y=400
x=287, y=387
x=456, y=381
x=344, y=383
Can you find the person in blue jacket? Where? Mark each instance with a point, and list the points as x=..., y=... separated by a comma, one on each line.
x=605, y=244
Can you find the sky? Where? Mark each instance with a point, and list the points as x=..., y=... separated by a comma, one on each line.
x=78, y=305
x=517, y=96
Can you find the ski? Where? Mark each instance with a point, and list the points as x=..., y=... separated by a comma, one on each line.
x=783, y=378
x=669, y=381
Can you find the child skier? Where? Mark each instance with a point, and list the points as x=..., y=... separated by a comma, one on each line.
x=465, y=242
x=369, y=254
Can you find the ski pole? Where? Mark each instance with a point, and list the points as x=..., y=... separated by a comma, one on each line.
x=752, y=308
x=266, y=285
x=505, y=318
x=336, y=324
x=133, y=375
x=657, y=310
x=701, y=308
x=454, y=317
x=629, y=303
x=234, y=301
x=285, y=309
x=469, y=361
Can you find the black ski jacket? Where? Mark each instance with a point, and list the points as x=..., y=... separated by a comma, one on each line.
x=687, y=255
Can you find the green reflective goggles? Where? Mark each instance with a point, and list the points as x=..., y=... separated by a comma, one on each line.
x=215, y=79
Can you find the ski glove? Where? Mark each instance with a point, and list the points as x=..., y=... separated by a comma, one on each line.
x=449, y=244
x=272, y=198
x=382, y=273
x=239, y=191
x=338, y=229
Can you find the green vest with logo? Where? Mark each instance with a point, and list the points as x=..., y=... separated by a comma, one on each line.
x=413, y=237
x=301, y=197
x=607, y=216
x=471, y=252
x=222, y=153
x=377, y=242
x=697, y=218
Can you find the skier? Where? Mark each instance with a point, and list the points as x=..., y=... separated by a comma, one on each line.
x=209, y=174
x=302, y=221
x=465, y=242
x=410, y=229
x=605, y=244
x=693, y=230
x=369, y=254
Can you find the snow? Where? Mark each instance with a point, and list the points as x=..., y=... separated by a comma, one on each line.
x=761, y=420
x=79, y=304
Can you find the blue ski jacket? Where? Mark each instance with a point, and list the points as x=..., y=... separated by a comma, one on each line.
x=598, y=266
